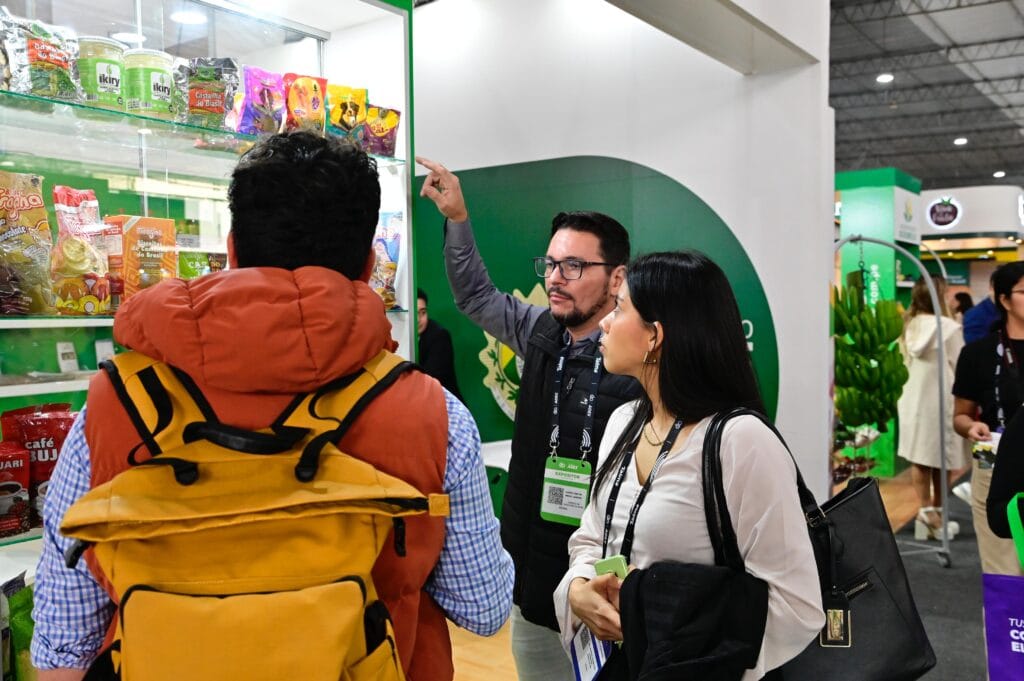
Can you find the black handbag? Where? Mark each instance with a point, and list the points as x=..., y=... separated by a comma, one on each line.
x=872, y=631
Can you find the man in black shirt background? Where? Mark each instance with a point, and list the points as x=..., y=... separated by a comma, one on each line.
x=437, y=358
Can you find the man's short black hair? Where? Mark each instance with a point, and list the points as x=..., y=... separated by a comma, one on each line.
x=613, y=237
x=299, y=199
x=422, y=295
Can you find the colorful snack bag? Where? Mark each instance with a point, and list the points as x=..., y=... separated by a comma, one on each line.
x=20, y=605
x=262, y=103
x=198, y=264
x=41, y=56
x=387, y=249
x=43, y=436
x=305, y=101
x=211, y=85
x=381, y=130
x=149, y=250
x=79, y=269
x=25, y=242
x=14, y=486
x=347, y=109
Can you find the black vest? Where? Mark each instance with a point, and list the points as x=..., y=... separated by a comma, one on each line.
x=538, y=547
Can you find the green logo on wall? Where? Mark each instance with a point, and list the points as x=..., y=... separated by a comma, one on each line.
x=511, y=208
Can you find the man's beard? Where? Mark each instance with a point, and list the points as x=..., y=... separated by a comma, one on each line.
x=577, y=317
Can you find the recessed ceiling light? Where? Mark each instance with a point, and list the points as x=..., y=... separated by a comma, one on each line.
x=188, y=17
x=949, y=254
x=128, y=37
x=942, y=240
x=960, y=141
x=885, y=78
x=999, y=173
x=990, y=252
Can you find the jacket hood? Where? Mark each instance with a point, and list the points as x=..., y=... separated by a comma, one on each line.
x=919, y=334
x=258, y=329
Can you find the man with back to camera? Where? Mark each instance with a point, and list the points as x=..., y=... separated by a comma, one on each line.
x=304, y=210
x=562, y=376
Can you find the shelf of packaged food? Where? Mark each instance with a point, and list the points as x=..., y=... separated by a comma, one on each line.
x=44, y=388
x=34, y=533
x=76, y=132
x=45, y=322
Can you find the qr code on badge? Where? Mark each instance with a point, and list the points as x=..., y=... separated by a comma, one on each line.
x=585, y=636
x=555, y=495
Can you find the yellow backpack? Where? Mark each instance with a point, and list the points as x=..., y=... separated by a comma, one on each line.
x=246, y=555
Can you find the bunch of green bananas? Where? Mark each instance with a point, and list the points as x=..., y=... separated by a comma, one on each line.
x=869, y=370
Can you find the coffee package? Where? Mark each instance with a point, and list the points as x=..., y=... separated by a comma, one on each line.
x=14, y=485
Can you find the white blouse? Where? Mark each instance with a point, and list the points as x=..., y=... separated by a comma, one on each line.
x=760, y=490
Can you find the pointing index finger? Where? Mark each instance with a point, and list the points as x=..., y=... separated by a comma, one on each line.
x=431, y=165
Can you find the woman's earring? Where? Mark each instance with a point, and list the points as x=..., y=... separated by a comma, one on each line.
x=648, y=359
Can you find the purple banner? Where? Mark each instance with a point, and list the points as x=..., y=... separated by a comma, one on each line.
x=1004, y=627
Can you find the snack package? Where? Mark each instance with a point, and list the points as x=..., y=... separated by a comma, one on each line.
x=211, y=85
x=149, y=251
x=198, y=264
x=109, y=242
x=261, y=106
x=387, y=248
x=20, y=607
x=25, y=246
x=14, y=488
x=42, y=57
x=305, y=102
x=346, y=107
x=43, y=436
x=380, y=132
x=79, y=270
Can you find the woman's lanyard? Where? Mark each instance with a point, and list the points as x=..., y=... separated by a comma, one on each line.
x=587, y=440
x=1004, y=352
x=613, y=496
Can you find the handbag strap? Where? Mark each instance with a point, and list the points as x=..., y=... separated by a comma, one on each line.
x=1016, y=525
x=723, y=536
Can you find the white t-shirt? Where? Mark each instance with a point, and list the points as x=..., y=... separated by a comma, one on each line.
x=760, y=490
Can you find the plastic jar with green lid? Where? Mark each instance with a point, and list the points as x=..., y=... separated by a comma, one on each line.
x=149, y=85
x=101, y=69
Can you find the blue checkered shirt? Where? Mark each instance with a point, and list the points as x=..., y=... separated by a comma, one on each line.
x=472, y=581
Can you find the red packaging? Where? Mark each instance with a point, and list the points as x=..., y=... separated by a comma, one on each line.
x=14, y=483
x=10, y=428
x=44, y=435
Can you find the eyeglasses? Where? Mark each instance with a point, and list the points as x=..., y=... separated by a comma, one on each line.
x=571, y=268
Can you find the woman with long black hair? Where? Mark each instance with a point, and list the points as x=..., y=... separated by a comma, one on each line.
x=988, y=391
x=676, y=328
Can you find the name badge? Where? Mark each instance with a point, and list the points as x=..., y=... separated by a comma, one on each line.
x=588, y=654
x=566, y=490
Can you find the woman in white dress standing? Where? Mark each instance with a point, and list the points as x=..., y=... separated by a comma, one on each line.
x=676, y=328
x=919, y=416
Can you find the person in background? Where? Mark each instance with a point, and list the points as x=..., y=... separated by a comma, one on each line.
x=676, y=329
x=962, y=302
x=978, y=320
x=565, y=396
x=293, y=313
x=437, y=358
x=919, y=423
x=989, y=388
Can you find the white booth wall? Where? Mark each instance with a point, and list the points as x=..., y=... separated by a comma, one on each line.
x=534, y=79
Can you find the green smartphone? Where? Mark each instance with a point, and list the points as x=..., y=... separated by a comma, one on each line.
x=615, y=565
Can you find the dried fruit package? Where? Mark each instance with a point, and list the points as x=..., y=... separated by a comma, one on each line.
x=347, y=109
x=79, y=270
x=25, y=246
x=42, y=57
x=387, y=244
x=261, y=108
x=211, y=84
x=305, y=99
x=380, y=132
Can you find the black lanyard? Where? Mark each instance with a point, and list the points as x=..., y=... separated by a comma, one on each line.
x=613, y=495
x=1004, y=352
x=587, y=441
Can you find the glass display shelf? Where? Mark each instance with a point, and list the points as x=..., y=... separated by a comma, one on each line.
x=28, y=385
x=84, y=134
x=55, y=322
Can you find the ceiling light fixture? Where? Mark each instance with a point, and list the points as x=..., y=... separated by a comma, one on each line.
x=999, y=174
x=885, y=78
x=960, y=141
x=128, y=37
x=188, y=17
x=991, y=252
